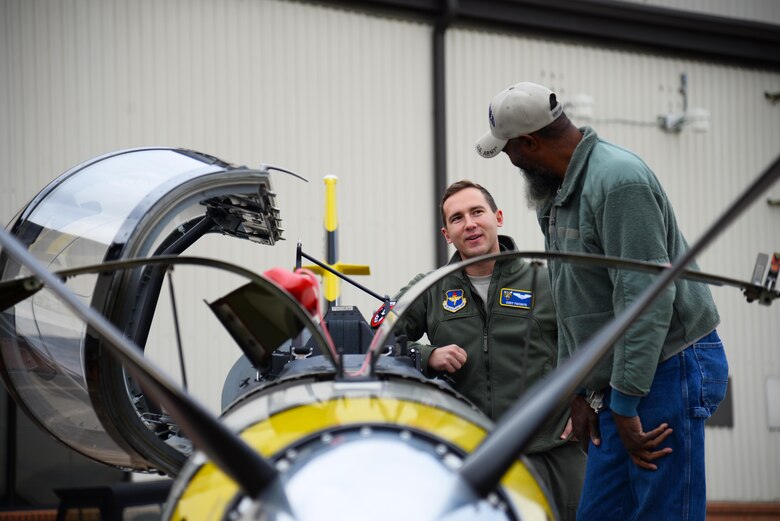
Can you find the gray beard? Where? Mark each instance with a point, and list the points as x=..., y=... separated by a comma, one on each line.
x=539, y=188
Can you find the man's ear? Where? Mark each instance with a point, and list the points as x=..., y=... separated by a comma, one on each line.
x=527, y=143
x=446, y=235
x=500, y=218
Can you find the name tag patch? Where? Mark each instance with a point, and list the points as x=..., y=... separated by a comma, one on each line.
x=455, y=300
x=516, y=298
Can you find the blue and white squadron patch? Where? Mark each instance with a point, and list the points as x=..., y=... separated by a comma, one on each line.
x=455, y=300
x=516, y=298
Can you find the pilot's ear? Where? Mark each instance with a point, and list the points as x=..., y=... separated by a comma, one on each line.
x=500, y=218
x=446, y=235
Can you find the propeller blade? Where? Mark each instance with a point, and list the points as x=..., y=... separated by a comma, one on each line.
x=228, y=451
x=751, y=290
x=484, y=467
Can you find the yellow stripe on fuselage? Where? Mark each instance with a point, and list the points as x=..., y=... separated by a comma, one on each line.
x=210, y=492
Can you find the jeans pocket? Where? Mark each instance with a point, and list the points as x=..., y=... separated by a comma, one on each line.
x=711, y=369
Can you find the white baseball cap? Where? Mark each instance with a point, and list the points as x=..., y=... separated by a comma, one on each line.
x=523, y=108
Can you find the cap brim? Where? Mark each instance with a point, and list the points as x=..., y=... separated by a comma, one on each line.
x=489, y=145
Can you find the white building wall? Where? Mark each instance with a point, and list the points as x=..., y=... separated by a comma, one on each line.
x=325, y=91
x=702, y=173
x=316, y=90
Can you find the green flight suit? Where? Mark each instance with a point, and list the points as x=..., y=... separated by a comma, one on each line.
x=499, y=368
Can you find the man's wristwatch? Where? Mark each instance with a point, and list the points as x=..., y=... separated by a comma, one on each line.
x=596, y=400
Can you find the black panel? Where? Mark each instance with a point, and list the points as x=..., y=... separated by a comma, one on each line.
x=668, y=30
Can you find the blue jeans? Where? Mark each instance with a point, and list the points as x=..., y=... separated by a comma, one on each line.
x=686, y=390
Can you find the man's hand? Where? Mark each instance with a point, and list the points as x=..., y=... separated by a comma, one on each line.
x=447, y=358
x=567, y=431
x=640, y=444
x=584, y=422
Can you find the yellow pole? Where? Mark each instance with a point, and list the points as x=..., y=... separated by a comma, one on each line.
x=331, y=283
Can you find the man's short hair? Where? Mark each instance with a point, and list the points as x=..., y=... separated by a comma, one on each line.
x=456, y=187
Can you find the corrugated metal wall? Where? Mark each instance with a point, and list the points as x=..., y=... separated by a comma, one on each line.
x=702, y=173
x=316, y=90
x=324, y=91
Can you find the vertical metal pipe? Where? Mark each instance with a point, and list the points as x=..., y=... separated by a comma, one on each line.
x=447, y=14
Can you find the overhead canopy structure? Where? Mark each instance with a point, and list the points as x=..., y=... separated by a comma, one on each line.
x=127, y=204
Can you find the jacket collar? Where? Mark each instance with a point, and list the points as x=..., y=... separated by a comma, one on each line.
x=576, y=169
x=505, y=243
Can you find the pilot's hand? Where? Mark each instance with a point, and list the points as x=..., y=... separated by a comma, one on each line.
x=447, y=358
x=640, y=444
x=584, y=422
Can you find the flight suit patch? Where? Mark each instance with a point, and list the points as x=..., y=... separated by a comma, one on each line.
x=516, y=298
x=455, y=300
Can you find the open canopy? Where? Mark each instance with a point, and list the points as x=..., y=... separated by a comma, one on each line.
x=127, y=204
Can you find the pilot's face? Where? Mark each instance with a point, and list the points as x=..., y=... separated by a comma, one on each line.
x=471, y=226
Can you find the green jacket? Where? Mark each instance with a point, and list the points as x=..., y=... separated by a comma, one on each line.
x=492, y=378
x=611, y=203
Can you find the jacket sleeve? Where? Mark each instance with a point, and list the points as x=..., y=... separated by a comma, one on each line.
x=633, y=224
x=415, y=324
